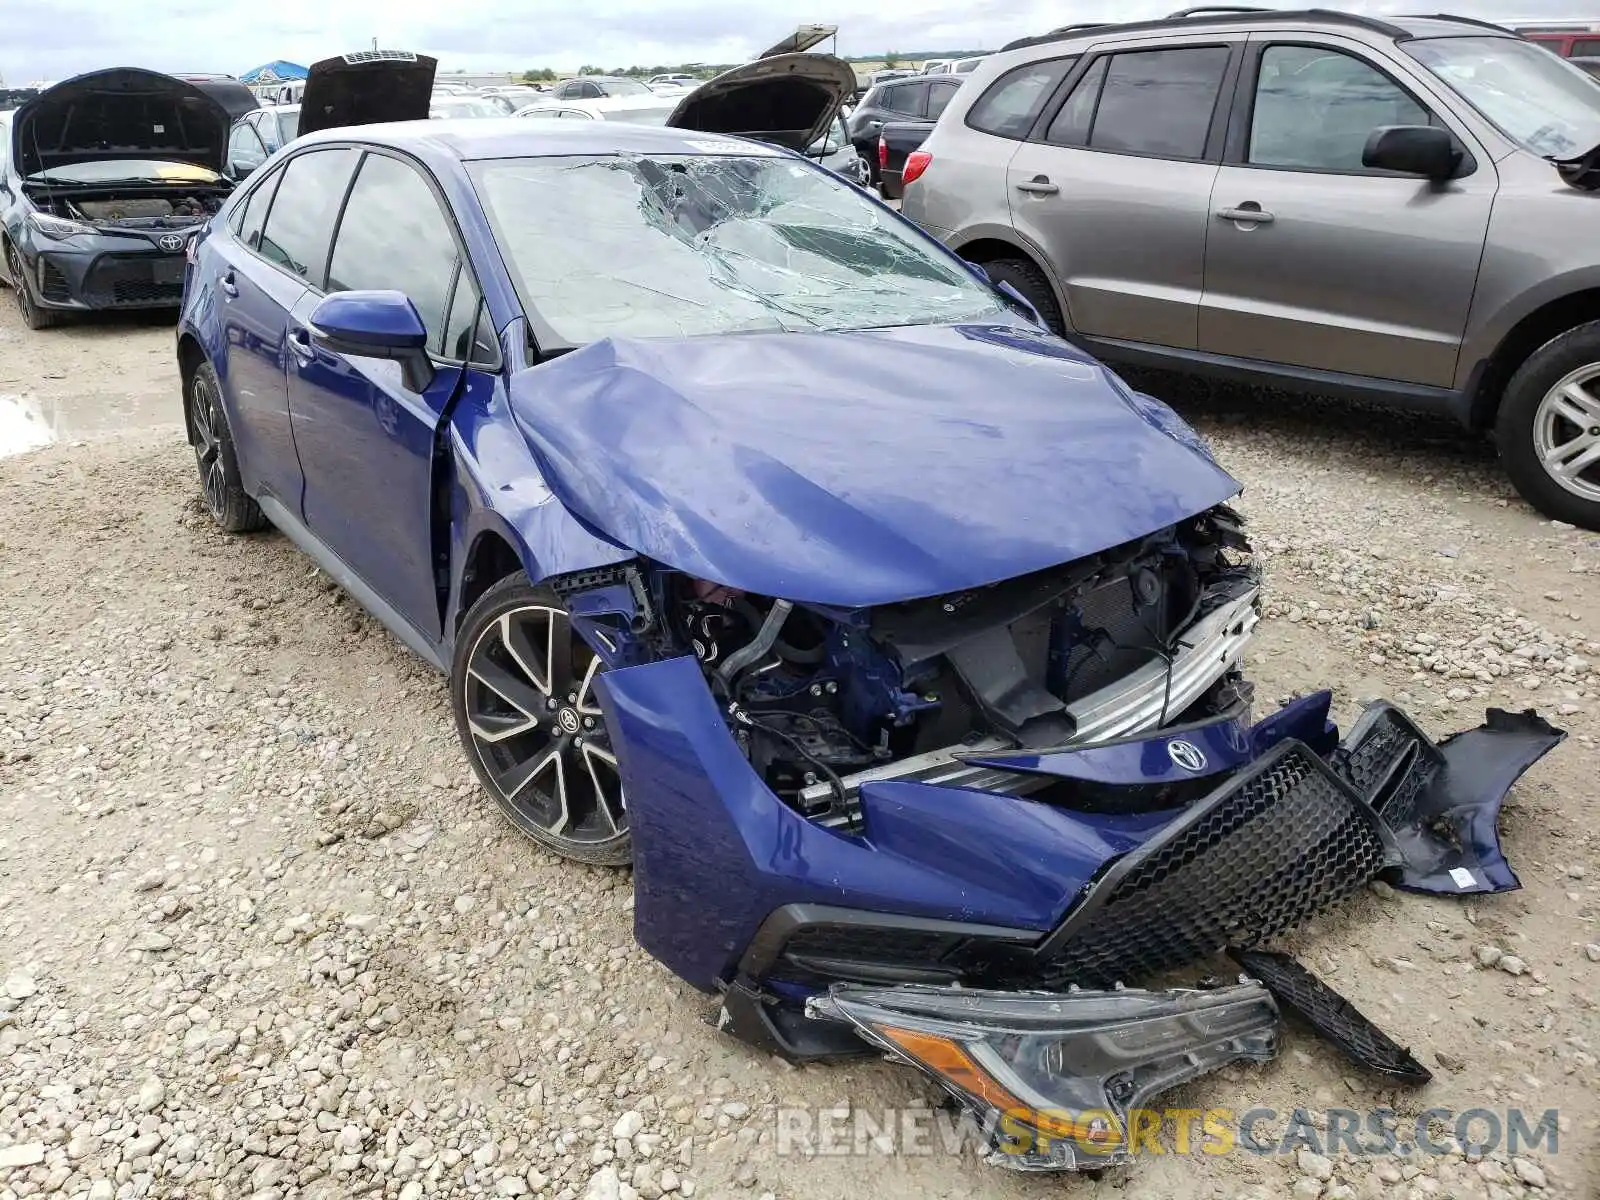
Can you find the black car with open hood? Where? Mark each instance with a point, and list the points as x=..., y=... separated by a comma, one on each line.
x=107, y=177
x=789, y=100
x=367, y=87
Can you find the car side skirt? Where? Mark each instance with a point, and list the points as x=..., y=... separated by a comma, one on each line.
x=1411, y=397
x=339, y=571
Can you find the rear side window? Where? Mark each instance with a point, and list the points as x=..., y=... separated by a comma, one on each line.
x=938, y=96
x=907, y=99
x=394, y=235
x=300, y=223
x=1013, y=102
x=1159, y=102
x=1071, y=124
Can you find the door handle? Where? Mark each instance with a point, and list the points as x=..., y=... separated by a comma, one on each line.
x=229, y=288
x=300, y=345
x=1249, y=211
x=1039, y=185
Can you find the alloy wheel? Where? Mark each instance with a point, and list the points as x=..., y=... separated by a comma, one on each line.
x=208, y=446
x=537, y=727
x=1566, y=432
x=19, y=283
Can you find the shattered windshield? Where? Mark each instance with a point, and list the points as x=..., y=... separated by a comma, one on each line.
x=639, y=246
x=1536, y=99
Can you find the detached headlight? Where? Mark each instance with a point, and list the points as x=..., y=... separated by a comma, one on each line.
x=1052, y=1077
x=58, y=227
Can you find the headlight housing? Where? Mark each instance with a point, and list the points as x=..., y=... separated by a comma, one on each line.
x=1052, y=1077
x=57, y=227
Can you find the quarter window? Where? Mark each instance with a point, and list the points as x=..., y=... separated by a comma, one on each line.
x=1013, y=102
x=393, y=235
x=938, y=96
x=300, y=223
x=1159, y=102
x=254, y=213
x=1316, y=107
x=1585, y=48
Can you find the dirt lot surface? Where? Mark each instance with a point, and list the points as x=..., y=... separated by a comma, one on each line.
x=260, y=935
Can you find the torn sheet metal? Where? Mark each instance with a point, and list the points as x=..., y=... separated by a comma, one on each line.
x=1442, y=802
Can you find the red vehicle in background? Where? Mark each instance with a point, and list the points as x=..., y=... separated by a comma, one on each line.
x=1577, y=40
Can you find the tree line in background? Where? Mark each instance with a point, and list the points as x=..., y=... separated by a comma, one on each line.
x=890, y=60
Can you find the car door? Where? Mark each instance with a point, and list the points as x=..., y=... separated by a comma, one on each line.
x=261, y=279
x=1318, y=262
x=1114, y=186
x=366, y=440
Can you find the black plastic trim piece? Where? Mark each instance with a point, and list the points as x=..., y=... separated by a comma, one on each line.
x=766, y=948
x=1295, y=988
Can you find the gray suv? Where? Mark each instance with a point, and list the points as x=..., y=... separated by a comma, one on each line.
x=1396, y=209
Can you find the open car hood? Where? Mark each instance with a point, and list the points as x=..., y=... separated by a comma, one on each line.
x=788, y=99
x=856, y=469
x=367, y=88
x=122, y=113
x=231, y=94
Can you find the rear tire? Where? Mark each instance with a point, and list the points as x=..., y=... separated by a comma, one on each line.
x=33, y=316
x=1548, y=427
x=221, y=487
x=1035, y=288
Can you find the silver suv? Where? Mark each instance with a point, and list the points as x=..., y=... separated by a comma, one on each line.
x=1396, y=209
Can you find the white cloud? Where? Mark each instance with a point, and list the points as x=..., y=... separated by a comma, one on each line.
x=53, y=41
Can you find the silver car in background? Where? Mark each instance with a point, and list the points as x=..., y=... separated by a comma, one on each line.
x=1399, y=209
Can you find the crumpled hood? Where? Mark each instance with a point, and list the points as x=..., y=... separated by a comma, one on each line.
x=119, y=114
x=856, y=469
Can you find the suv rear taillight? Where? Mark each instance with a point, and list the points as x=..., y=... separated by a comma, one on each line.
x=883, y=153
x=917, y=162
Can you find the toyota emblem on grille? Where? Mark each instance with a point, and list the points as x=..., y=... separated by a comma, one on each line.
x=1186, y=755
x=171, y=242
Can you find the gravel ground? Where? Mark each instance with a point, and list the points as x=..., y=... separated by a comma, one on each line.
x=260, y=935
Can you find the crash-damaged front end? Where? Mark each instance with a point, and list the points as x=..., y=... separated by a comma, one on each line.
x=928, y=714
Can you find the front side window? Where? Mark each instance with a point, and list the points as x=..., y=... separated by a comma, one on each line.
x=1159, y=102
x=288, y=126
x=300, y=223
x=1315, y=108
x=1541, y=102
x=394, y=235
x=675, y=246
x=1013, y=102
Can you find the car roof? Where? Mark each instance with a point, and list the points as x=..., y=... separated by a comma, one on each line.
x=482, y=138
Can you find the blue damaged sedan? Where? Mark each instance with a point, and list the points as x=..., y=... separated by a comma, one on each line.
x=768, y=547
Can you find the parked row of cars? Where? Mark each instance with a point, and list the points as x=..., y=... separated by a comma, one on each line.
x=1396, y=208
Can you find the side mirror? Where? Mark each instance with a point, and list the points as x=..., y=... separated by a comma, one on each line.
x=1425, y=150
x=377, y=324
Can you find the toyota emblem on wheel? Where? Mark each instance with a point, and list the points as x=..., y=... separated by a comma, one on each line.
x=170, y=242
x=1186, y=755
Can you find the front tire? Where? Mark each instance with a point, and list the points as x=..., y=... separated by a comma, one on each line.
x=1030, y=281
x=221, y=487
x=522, y=691
x=1548, y=427
x=33, y=316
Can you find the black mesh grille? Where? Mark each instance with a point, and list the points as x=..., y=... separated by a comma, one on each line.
x=1281, y=842
x=52, y=283
x=869, y=943
x=1388, y=761
x=137, y=281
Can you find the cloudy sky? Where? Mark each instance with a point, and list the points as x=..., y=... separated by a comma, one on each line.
x=58, y=38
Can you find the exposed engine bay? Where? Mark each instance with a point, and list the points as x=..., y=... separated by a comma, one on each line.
x=177, y=208
x=823, y=700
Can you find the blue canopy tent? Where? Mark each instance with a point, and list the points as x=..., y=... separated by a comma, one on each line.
x=274, y=72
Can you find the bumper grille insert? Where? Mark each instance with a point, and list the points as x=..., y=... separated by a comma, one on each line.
x=1279, y=842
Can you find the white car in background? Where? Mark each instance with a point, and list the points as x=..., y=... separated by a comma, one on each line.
x=636, y=110
x=451, y=108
